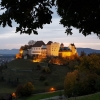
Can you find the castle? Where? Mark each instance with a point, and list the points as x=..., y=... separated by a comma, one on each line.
x=39, y=48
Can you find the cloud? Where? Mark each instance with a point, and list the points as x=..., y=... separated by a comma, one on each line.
x=54, y=32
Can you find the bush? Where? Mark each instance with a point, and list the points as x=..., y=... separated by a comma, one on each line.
x=25, y=90
x=28, y=89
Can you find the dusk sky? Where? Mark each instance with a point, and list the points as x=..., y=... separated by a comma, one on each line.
x=53, y=32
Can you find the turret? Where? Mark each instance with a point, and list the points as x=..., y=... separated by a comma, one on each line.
x=73, y=48
x=61, y=45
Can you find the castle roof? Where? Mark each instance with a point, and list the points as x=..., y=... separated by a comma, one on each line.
x=64, y=49
x=72, y=44
x=61, y=45
x=38, y=44
x=49, y=43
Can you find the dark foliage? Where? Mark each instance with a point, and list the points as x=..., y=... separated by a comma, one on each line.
x=28, y=14
x=86, y=79
x=81, y=14
x=25, y=90
x=33, y=14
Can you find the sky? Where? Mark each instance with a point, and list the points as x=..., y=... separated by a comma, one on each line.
x=51, y=32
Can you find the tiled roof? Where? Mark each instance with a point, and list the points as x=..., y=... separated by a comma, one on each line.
x=38, y=44
x=72, y=44
x=64, y=49
x=49, y=43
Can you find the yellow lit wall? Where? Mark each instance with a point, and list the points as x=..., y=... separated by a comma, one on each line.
x=21, y=51
x=37, y=60
x=43, y=52
x=65, y=54
x=54, y=49
x=18, y=56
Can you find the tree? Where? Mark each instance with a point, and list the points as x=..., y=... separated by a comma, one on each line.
x=82, y=53
x=33, y=14
x=81, y=14
x=28, y=14
x=71, y=83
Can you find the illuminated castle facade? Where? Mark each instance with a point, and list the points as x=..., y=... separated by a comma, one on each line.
x=50, y=49
x=67, y=51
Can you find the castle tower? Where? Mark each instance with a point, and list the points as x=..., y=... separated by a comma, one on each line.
x=73, y=48
x=61, y=45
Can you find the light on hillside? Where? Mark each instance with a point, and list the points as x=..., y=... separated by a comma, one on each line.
x=13, y=95
x=37, y=60
x=52, y=89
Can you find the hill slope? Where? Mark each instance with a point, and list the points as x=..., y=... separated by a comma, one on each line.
x=26, y=71
x=21, y=64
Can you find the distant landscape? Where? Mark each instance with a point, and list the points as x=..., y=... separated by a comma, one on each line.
x=15, y=51
x=7, y=51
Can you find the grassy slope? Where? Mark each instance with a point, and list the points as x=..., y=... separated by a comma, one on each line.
x=95, y=96
x=41, y=96
x=55, y=78
x=21, y=64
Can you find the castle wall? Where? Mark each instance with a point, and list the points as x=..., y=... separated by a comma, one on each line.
x=65, y=54
x=48, y=50
x=54, y=49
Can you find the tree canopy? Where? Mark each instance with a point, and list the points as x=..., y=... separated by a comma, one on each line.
x=33, y=14
x=28, y=14
x=81, y=14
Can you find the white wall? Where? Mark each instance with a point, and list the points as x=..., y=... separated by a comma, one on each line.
x=36, y=50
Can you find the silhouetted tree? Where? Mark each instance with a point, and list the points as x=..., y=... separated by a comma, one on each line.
x=33, y=14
